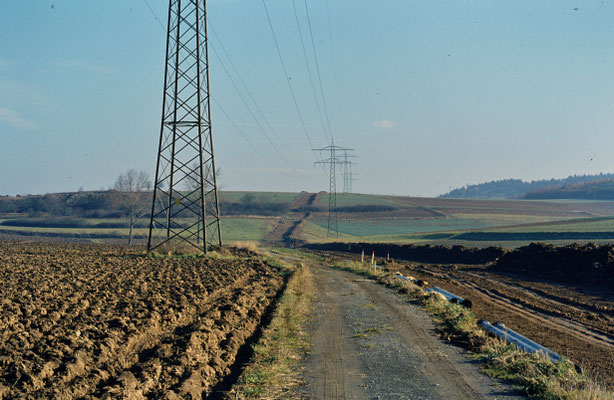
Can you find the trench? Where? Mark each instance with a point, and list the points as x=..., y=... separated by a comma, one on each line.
x=246, y=351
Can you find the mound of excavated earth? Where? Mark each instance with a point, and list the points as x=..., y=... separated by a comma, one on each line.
x=582, y=265
x=421, y=253
x=84, y=321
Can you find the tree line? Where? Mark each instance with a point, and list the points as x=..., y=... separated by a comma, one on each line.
x=518, y=189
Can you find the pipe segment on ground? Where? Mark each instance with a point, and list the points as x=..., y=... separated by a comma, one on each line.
x=500, y=333
x=498, y=329
x=511, y=333
x=402, y=277
x=449, y=296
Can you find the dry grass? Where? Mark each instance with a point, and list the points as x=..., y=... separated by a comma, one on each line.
x=275, y=366
x=246, y=245
x=539, y=377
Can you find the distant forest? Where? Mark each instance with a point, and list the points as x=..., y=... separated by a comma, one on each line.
x=597, y=190
x=99, y=204
x=569, y=187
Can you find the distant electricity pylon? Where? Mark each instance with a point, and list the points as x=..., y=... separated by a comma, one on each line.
x=348, y=175
x=332, y=162
x=185, y=206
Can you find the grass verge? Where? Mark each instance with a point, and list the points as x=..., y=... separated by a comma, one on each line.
x=534, y=374
x=273, y=371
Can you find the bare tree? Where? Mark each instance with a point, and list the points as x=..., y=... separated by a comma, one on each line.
x=193, y=182
x=129, y=195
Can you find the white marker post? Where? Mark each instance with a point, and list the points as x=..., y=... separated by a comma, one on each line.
x=373, y=260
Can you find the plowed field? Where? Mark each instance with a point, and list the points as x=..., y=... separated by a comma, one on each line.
x=86, y=321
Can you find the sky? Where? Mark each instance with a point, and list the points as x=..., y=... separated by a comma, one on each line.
x=432, y=95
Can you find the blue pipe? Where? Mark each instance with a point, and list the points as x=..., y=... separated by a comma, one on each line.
x=380, y=267
x=552, y=355
x=449, y=296
x=522, y=345
x=402, y=277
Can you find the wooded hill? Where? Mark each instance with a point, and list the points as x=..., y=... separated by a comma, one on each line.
x=596, y=190
x=518, y=189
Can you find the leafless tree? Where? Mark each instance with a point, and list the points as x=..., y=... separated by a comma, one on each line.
x=129, y=195
x=193, y=182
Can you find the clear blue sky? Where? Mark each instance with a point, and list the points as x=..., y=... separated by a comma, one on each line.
x=432, y=94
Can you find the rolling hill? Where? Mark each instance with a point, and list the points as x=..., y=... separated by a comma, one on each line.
x=518, y=189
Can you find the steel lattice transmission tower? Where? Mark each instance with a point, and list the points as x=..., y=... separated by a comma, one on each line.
x=332, y=162
x=185, y=205
x=348, y=175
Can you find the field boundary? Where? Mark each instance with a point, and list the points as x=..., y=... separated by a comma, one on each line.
x=274, y=369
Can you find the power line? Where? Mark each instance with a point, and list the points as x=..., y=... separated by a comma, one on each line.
x=287, y=77
x=244, y=102
x=155, y=15
x=332, y=52
x=218, y=105
x=313, y=88
x=249, y=94
x=315, y=55
x=251, y=112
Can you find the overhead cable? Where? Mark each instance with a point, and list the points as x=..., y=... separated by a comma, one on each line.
x=313, y=88
x=315, y=55
x=244, y=86
x=250, y=110
x=286, y=76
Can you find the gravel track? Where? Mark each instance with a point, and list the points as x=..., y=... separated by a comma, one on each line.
x=369, y=343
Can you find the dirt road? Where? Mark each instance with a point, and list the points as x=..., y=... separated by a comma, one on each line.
x=368, y=343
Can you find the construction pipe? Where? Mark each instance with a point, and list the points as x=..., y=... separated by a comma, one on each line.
x=511, y=333
x=380, y=267
x=402, y=277
x=449, y=296
x=501, y=334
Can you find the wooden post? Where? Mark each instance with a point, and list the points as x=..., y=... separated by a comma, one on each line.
x=373, y=259
x=362, y=260
x=388, y=256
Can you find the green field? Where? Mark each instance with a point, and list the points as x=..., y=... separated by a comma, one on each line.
x=437, y=232
x=476, y=223
x=365, y=228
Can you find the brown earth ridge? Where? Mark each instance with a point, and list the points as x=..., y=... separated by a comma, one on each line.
x=573, y=264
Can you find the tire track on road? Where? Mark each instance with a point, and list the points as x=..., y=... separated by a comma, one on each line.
x=368, y=342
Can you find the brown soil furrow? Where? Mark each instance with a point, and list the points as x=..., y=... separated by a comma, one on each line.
x=554, y=322
x=552, y=305
x=82, y=321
